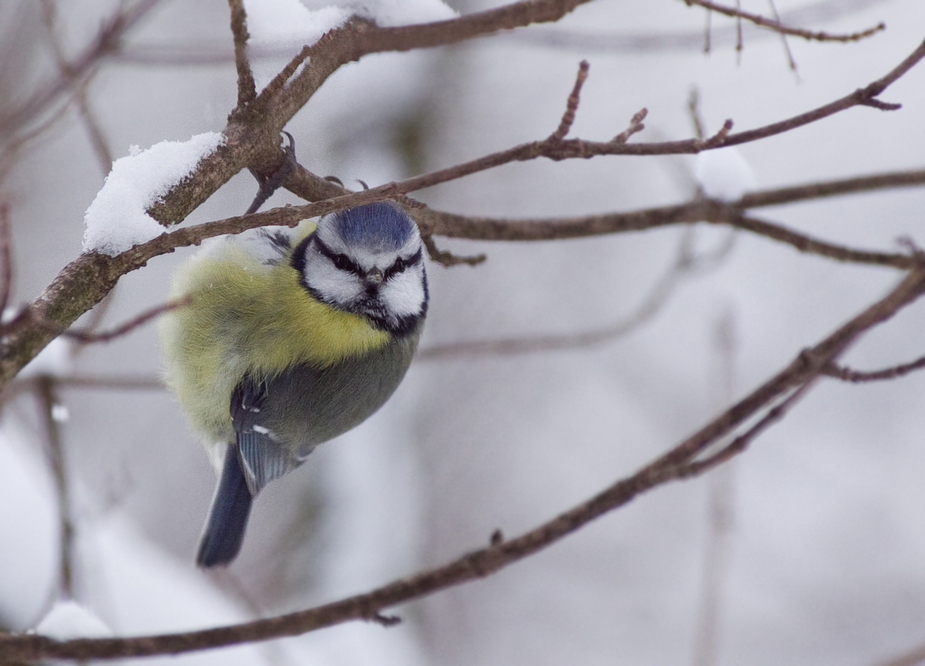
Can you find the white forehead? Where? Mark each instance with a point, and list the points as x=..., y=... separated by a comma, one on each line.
x=371, y=234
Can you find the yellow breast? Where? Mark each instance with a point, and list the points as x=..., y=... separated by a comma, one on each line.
x=247, y=317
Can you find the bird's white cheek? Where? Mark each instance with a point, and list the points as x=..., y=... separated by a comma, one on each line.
x=404, y=294
x=336, y=286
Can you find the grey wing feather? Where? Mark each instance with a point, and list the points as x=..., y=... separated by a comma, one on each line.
x=280, y=421
x=264, y=457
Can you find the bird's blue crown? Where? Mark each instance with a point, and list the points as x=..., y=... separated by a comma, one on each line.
x=381, y=225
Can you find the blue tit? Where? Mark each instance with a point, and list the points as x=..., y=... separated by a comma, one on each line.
x=292, y=337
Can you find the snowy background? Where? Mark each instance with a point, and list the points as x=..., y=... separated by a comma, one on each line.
x=823, y=557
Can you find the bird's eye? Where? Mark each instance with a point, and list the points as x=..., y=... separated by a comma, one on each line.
x=401, y=264
x=397, y=267
x=342, y=263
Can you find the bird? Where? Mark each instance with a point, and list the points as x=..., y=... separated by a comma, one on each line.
x=290, y=338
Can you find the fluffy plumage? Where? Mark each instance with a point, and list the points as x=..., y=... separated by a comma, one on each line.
x=292, y=338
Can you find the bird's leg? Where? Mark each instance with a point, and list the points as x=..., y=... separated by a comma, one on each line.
x=269, y=185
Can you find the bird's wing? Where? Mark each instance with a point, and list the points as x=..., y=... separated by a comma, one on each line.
x=264, y=457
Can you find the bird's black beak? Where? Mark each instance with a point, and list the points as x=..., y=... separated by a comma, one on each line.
x=373, y=280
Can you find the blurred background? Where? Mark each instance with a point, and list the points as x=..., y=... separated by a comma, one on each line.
x=809, y=548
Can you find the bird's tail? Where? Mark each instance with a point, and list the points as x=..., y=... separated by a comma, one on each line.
x=227, y=521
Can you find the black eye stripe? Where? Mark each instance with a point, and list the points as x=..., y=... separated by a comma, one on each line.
x=340, y=261
x=401, y=264
x=345, y=263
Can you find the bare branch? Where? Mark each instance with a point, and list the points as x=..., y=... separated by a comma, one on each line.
x=720, y=510
x=740, y=43
x=89, y=336
x=448, y=258
x=93, y=382
x=714, y=212
x=88, y=118
x=740, y=443
x=783, y=38
x=11, y=149
x=247, y=89
x=717, y=139
x=86, y=280
x=48, y=403
x=6, y=257
x=568, y=118
x=810, y=245
x=105, y=43
x=693, y=110
x=554, y=37
x=636, y=126
x=832, y=188
x=856, y=376
x=777, y=26
x=111, y=382
x=671, y=466
x=682, y=267
x=577, y=148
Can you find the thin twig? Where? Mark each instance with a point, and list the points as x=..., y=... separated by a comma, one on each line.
x=89, y=336
x=783, y=29
x=88, y=118
x=740, y=42
x=49, y=404
x=247, y=89
x=571, y=107
x=693, y=110
x=741, y=443
x=717, y=139
x=832, y=188
x=561, y=150
x=720, y=510
x=783, y=38
x=68, y=295
x=12, y=148
x=707, y=33
x=682, y=267
x=20, y=386
x=597, y=40
x=810, y=245
x=714, y=212
x=636, y=125
x=577, y=148
x=6, y=257
x=857, y=376
x=538, y=229
x=446, y=258
x=671, y=466
x=106, y=41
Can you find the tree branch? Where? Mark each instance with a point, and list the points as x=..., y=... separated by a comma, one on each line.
x=48, y=401
x=90, y=336
x=832, y=188
x=684, y=265
x=90, y=277
x=671, y=466
x=106, y=42
x=856, y=376
x=779, y=27
x=247, y=89
x=6, y=257
x=571, y=106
